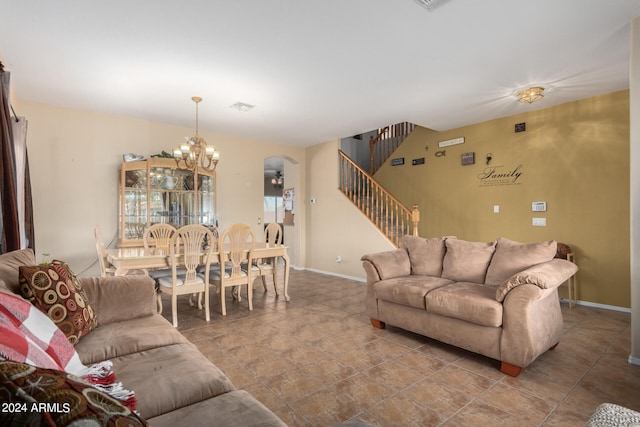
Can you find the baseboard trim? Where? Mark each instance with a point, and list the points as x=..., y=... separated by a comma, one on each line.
x=596, y=305
x=634, y=360
x=331, y=273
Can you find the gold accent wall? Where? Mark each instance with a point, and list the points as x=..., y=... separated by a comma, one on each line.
x=573, y=156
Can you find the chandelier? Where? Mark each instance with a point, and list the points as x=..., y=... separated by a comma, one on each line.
x=531, y=94
x=277, y=180
x=195, y=152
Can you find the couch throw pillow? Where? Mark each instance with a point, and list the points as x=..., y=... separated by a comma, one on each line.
x=56, y=291
x=426, y=254
x=49, y=397
x=513, y=257
x=467, y=261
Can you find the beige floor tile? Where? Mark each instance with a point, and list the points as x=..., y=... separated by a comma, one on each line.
x=518, y=402
x=479, y=413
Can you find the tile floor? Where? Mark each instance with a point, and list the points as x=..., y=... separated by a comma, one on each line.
x=317, y=361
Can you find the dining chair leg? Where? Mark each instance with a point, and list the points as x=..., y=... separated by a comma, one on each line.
x=250, y=294
x=174, y=309
x=159, y=299
x=264, y=282
x=222, y=301
x=275, y=276
x=207, y=313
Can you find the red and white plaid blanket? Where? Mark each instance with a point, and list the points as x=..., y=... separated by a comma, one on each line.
x=28, y=336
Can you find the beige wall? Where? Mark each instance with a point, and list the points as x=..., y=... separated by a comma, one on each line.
x=74, y=158
x=574, y=156
x=336, y=227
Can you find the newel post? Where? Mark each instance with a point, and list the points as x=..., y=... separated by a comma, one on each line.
x=415, y=218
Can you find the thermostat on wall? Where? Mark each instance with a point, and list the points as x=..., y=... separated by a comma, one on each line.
x=539, y=206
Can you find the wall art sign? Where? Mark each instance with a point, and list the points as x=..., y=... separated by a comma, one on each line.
x=468, y=158
x=450, y=142
x=397, y=162
x=419, y=161
x=500, y=175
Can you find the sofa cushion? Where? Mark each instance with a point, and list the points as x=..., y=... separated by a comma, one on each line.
x=408, y=290
x=512, y=257
x=236, y=408
x=171, y=377
x=467, y=261
x=68, y=400
x=55, y=290
x=9, y=264
x=472, y=302
x=426, y=254
x=131, y=336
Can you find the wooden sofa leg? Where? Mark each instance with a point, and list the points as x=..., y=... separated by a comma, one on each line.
x=377, y=324
x=509, y=369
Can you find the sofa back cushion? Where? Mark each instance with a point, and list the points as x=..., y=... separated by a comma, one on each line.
x=467, y=261
x=513, y=257
x=426, y=254
x=9, y=264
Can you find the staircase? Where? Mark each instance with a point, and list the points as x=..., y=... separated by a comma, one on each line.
x=385, y=143
x=390, y=216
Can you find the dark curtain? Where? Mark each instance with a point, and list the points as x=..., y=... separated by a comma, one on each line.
x=8, y=179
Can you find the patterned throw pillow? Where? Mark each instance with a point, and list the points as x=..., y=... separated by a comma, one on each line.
x=56, y=291
x=37, y=396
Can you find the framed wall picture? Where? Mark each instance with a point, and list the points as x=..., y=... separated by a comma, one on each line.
x=468, y=159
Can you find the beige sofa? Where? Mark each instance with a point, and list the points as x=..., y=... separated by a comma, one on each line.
x=498, y=299
x=174, y=383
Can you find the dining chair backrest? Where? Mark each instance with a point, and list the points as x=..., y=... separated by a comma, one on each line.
x=238, y=242
x=273, y=234
x=102, y=253
x=158, y=235
x=186, y=249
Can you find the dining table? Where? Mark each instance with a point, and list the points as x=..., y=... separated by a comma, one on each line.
x=125, y=259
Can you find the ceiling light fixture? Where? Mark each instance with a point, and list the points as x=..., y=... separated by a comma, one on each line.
x=242, y=106
x=531, y=94
x=429, y=4
x=195, y=152
x=278, y=179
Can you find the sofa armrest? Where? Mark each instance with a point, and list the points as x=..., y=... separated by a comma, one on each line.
x=121, y=297
x=547, y=275
x=386, y=265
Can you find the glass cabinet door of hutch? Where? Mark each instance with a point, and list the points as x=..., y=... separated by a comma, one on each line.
x=156, y=191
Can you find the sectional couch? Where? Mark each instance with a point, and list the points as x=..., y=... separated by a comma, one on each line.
x=174, y=383
x=498, y=299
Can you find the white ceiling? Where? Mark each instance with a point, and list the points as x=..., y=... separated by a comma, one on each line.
x=315, y=70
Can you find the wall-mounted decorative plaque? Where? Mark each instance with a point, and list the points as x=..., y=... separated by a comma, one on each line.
x=397, y=162
x=468, y=159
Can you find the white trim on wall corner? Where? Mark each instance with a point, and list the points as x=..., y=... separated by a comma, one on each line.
x=596, y=305
x=634, y=360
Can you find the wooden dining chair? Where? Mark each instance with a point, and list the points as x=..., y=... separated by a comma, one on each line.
x=236, y=256
x=159, y=236
x=106, y=269
x=187, y=250
x=269, y=266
